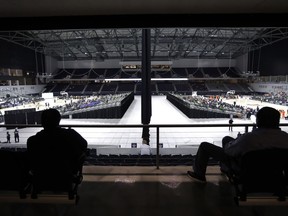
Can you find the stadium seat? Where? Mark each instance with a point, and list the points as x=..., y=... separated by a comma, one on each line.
x=261, y=178
x=14, y=170
x=60, y=180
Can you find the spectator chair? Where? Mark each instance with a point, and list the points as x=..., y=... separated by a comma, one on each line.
x=261, y=178
x=22, y=182
x=15, y=178
x=61, y=179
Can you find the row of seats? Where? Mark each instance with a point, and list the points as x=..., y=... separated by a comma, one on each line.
x=132, y=160
x=156, y=88
x=22, y=182
x=89, y=73
x=142, y=160
x=139, y=160
x=260, y=178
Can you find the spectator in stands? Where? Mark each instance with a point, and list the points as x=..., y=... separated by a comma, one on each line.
x=55, y=147
x=266, y=135
x=16, y=135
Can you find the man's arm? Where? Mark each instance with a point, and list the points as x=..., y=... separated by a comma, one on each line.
x=236, y=147
x=80, y=143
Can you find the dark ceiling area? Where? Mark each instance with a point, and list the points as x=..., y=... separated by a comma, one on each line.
x=49, y=8
x=126, y=44
x=101, y=30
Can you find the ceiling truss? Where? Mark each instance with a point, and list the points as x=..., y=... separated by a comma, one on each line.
x=126, y=44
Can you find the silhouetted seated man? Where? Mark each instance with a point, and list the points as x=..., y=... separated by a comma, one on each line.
x=267, y=135
x=56, y=154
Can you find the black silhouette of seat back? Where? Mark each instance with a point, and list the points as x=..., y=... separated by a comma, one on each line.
x=14, y=169
x=57, y=173
x=262, y=172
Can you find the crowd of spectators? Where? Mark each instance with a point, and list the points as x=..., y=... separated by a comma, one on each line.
x=279, y=98
x=91, y=102
x=15, y=101
x=216, y=104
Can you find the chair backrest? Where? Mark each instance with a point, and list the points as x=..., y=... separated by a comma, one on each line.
x=60, y=176
x=14, y=168
x=264, y=171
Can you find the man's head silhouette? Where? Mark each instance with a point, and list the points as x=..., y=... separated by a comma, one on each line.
x=268, y=117
x=50, y=118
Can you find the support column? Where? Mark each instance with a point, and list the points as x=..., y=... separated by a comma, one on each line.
x=146, y=83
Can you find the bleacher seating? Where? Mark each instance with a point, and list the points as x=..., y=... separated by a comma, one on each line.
x=163, y=74
x=180, y=72
x=59, y=87
x=80, y=73
x=112, y=73
x=216, y=87
x=229, y=72
x=194, y=75
x=245, y=87
x=75, y=89
x=153, y=88
x=97, y=73
x=183, y=88
x=125, y=87
x=93, y=88
x=49, y=87
x=164, y=87
x=109, y=88
x=140, y=160
x=234, y=86
x=195, y=72
x=198, y=86
x=130, y=74
x=64, y=74
x=211, y=72
x=138, y=89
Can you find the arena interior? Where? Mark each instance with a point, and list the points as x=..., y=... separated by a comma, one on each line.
x=110, y=81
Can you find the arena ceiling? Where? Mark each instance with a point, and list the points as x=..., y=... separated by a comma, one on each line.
x=167, y=43
x=126, y=44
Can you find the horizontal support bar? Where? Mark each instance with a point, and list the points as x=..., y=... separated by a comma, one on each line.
x=42, y=198
x=262, y=201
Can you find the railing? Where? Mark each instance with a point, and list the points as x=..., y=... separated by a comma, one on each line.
x=245, y=128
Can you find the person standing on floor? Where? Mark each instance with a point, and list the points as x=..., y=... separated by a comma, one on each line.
x=8, y=137
x=230, y=124
x=16, y=135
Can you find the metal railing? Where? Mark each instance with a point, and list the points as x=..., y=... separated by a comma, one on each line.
x=155, y=126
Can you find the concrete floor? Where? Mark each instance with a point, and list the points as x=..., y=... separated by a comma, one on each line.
x=142, y=191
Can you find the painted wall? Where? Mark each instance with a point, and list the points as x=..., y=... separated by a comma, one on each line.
x=269, y=87
x=88, y=64
x=20, y=90
x=176, y=63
